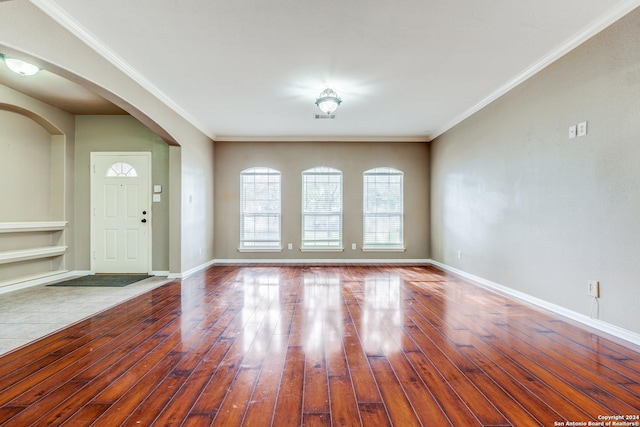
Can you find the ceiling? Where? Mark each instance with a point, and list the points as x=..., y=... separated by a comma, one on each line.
x=59, y=92
x=250, y=70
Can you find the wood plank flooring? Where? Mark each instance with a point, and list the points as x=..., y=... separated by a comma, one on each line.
x=321, y=346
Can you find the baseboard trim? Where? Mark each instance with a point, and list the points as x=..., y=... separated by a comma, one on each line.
x=42, y=280
x=161, y=273
x=189, y=272
x=252, y=261
x=322, y=261
x=605, y=327
x=82, y=273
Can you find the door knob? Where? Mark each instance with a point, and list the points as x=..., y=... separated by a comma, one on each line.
x=144, y=212
x=144, y=219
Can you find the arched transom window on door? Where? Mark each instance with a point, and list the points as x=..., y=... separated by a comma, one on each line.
x=121, y=170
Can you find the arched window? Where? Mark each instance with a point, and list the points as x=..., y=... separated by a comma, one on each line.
x=322, y=208
x=121, y=170
x=383, y=209
x=260, y=209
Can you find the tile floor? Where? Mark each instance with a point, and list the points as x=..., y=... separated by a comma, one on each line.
x=31, y=313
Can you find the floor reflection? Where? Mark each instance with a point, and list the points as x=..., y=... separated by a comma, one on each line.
x=381, y=325
x=191, y=301
x=322, y=312
x=261, y=310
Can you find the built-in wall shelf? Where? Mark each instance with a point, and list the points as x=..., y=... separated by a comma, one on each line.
x=32, y=226
x=33, y=253
x=32, y=278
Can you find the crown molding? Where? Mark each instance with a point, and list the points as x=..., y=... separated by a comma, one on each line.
x=326, y=138
x=58, y=14
x=610, y=17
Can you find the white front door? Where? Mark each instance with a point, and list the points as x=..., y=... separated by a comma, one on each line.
x=121, y=214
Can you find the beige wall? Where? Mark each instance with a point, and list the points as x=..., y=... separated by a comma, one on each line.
x=197, y=219
x=352, y=158
x=541, y=213
x=36, y=176
x=25, y=169
x=25, y=193
x=120, y=133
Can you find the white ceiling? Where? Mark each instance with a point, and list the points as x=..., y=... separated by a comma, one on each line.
x=405, y=69
x=60, y=92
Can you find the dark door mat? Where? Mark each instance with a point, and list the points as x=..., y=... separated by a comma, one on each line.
x=104, y=280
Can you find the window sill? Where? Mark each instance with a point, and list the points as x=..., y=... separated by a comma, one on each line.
x=260, y=249
x=382, y=249
x=321, y=249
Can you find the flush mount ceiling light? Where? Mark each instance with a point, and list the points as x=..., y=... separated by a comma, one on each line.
x=18, y=66
x=328, y=101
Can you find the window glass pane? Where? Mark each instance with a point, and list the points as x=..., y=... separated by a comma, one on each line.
x=121, y=170
x=260, y=208
x=322, y=208
x=383, y=208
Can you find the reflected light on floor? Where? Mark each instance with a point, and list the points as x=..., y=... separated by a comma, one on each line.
x=381, y=314
x=322, y=312
x=261, y=310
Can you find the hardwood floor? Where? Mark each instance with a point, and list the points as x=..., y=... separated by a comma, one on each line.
x=320, y=346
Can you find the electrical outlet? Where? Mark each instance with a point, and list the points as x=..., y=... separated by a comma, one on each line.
x=593, y=288
x=459, y=254
x=353, y=246
x=582, y=128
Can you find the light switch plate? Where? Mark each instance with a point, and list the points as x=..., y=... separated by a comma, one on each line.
x=157, y=198
x=572, y=131
x=593, y=288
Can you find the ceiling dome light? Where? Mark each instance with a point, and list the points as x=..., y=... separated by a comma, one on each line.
x=328, y=101
x=21, y=67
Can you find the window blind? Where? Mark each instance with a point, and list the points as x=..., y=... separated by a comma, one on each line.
x=383, y=209
x=260, y=208
x=322, y=208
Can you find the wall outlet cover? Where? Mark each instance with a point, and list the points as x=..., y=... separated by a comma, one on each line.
x=582, y=128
